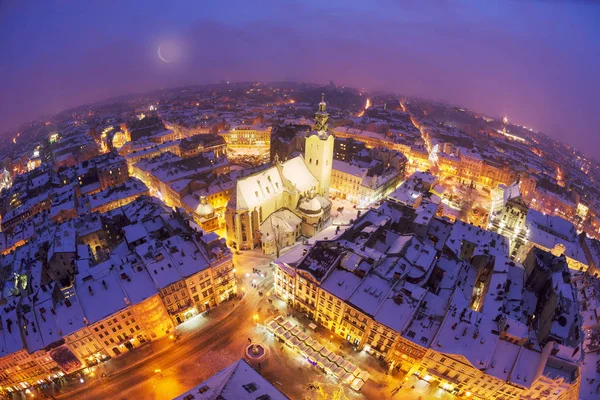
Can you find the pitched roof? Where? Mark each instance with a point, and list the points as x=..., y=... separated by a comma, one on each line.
x=237, y=381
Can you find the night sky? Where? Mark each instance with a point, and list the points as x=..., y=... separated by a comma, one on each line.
x=536, y=61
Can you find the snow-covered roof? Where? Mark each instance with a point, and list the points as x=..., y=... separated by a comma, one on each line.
x=100, y=294
x=134, y=279
x=503, y=359
x=549, y=231
x=283, y=219
x=484, y=240
x=69, y=315
x=187, y=257
x=131, y=187
x=526, y=366
x=256, y=189
x=296, y=172
x=400, y=305
x=46, y=322
x=238, y=381
x=348, y=168
x=341, y=283
x=64, y=241
x=162, y=268
x=467, y=333
x=513, y=191
x=13, y=341
x=134, y=232
x=370, y=294
x=29, y=326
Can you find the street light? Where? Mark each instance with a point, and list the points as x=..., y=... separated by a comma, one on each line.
x=255, y=318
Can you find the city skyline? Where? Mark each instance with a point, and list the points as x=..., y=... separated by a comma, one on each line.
x=336, y=241
x=531, y=61
x=300, y=200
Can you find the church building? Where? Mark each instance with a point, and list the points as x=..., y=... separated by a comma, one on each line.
x=508, y=215
x=272, y=208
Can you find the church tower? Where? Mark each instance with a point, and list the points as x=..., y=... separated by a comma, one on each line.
x=319, y=150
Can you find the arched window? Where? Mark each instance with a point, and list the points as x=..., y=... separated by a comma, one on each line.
x=310, y=160
x=316, y=162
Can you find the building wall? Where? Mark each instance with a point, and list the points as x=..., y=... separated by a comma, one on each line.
x=453, y=372
x=21, y=369
x=86, y=346
x=153, y=316
x=346, y=185
x=223, y=278
x=118, y=329
x=120, y=202
x=202, y=290
x=319, y=160
x=178, y=302
x=113, y=175
x=60, y=265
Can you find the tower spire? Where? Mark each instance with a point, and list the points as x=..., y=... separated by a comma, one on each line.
x=321, y=117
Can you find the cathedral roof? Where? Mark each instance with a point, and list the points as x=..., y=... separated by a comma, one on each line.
x=255, y=189
x=296, y=172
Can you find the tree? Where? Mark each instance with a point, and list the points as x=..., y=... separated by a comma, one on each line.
x=278, y=237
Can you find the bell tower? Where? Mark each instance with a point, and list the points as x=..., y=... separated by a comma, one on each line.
x=321, y=116
x=319, y=150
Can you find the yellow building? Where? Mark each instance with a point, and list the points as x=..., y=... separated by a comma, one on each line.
x=471, y=165
x=346, y=181
x=368, y=293
x=153, y=316
x=248, y=140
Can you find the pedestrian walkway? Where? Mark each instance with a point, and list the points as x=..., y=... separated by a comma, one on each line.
x=316, y=353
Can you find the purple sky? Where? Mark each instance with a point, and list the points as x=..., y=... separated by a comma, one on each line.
x=536, y=61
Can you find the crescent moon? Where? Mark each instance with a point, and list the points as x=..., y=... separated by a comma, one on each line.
x=161, y=56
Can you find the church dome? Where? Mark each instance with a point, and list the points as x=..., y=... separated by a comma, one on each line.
x=310, y=206
x=205, y=210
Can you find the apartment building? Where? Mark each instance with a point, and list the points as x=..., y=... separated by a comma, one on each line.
x=428, y=304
